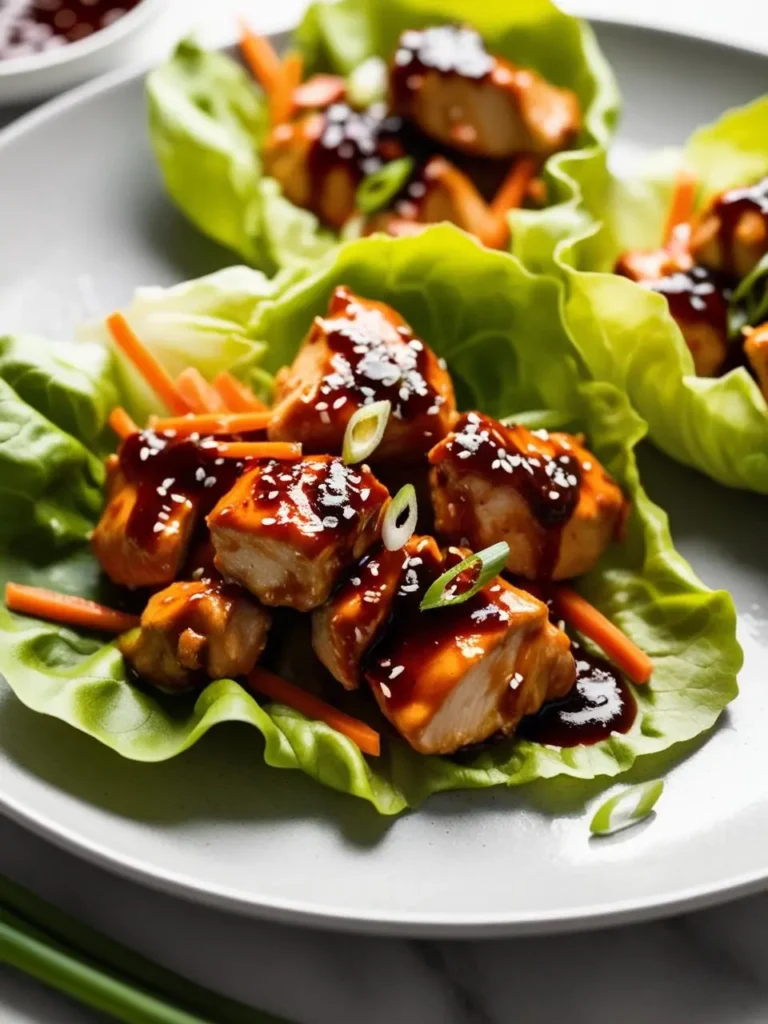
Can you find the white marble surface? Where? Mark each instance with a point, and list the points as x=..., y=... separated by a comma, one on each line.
x=707, y=968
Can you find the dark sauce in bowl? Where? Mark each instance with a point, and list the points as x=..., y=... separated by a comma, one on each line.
x=28, y=27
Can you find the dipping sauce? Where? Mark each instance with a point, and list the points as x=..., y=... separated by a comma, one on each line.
x=34, y=26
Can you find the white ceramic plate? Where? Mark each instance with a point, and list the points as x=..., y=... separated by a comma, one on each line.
x=75, y=238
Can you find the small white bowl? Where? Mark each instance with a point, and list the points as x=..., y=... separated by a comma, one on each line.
x=45, y=74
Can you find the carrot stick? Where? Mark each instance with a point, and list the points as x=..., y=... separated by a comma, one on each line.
x=261, y=58
x=281, y=98
x=593, y=624
x=121, y=423
x=146, y=363
x=514, y=188
x=214, y=423
x=319, y=92
x=199, y=395
x=510, y=196
x=259, y=450
x=236, y=395
x=280, y=690
x=678, y=227
x=72, y=611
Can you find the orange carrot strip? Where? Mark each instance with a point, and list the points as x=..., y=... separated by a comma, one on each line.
x=593, y=624
x=680, y=209
x=261, y=58
x=72, y=611
x=146, y=363
x=280, y=690
x=514, y=188
x=281, y=98
x=215, y=423
x=510, y=196
x=319, y=92
x=199, y=395
x=236, y=395
x=259, y=450
x=122, y=424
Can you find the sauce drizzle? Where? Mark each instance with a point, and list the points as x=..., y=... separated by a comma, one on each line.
x=599, y=704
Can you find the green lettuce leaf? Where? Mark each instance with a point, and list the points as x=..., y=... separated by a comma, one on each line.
x=500, y=330
x=203, y=323
x=207, y=118
x=625, y=333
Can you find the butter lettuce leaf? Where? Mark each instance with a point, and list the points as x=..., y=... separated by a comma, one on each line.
x=207, y=119
x=626, y=335
x=499, y=328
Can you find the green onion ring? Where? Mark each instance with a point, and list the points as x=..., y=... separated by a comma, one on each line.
x=394, y=536
x=365, y=431
x=492, y=560
x=367, y=84
x=626, y=808
x=377, y=190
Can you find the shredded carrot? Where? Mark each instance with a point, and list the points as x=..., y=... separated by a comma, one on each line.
x=146, y=363
x=261, y=58
x=72, y=611
x=281, y=98
x=319, y=92
x=510, y=196
x=121, y=423
x=678, y=226
x=593, y=624
x=259, y=450
x=215, y=423
x=236, y=395
x=514, y=188
x=199, y=395
x=280, y=690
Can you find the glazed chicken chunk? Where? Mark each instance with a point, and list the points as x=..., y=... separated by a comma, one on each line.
x=287, y=530
x=732, y=234
x=197, y=630
x=320, y=158
x=696, y=301
x=756, y=351
x=445, y=81
x=362, y=352
x=544, y=494
x=450, y=676
x=129, y=548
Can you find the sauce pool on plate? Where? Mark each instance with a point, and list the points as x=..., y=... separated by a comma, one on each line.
x=28, y=27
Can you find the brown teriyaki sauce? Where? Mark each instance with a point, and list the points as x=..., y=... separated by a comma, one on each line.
x=451, y=50
x=732, y=205
x=169, y=471
x=516, y=457
x=34, y=26
x=408, y=639
x=361, y=141
x=374, y=356
x=696, y=294
x=599, y=704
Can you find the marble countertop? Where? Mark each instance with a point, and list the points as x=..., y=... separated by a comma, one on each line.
x=704, y=968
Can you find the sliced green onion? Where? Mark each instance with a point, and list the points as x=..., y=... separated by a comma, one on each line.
x=491, y=560
x=626, y=808
x=367, y=84
x=365, y=431
x=378, y=189
x=539, y=419
x=748, y=305
x=394, y=533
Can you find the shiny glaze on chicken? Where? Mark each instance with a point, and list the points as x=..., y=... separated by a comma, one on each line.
x=543, y=493
x=363, y=352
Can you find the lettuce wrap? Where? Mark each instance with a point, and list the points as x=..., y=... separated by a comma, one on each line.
x=626, y=334
x=499, y=328
x=208, y=118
